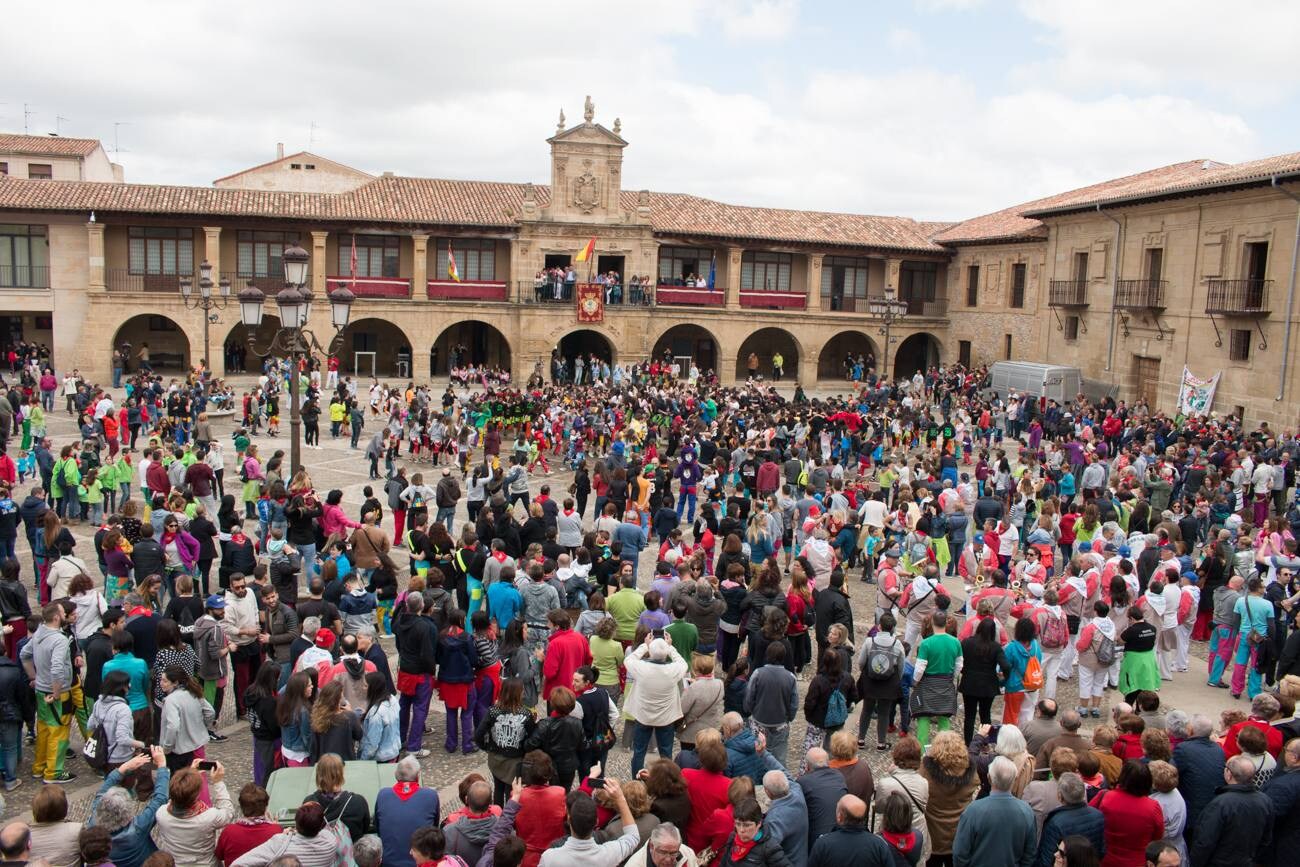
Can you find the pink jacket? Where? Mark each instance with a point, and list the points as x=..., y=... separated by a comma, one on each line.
x=334, y=520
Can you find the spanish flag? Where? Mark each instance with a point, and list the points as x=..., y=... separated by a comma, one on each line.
x=451, y=265
x=585, y=253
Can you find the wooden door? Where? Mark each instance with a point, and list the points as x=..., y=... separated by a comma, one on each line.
x=1146, y=373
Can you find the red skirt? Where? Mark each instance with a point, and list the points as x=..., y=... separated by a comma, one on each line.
x=491, y=673
x=455, y=696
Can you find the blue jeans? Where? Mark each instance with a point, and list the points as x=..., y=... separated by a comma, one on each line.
x=663, y=736
x=682, y=502
x=446, y=516
x=11, y=749
x=778, y=739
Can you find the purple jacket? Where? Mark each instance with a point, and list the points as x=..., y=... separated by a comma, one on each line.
x=187, y=546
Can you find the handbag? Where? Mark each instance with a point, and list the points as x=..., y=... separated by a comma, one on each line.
x=1253, y=637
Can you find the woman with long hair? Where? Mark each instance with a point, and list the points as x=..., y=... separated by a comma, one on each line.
x=456, y=663
x=172, y=650
x=334, y=725
x=799, y=602
x=950, y=775
x=259, y=698
x=293, y=713
x=519, y=662
x=381, y=737
x=985, y=666
x=502, y=734
x=186, y=718
x=831, y=693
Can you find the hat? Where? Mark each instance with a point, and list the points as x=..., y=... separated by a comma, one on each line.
x=979, y=538
x=893, y=553
x=1111, y=548
x=325, y=639
x=1124, y=551
x=1035, y=589
x=215, y=601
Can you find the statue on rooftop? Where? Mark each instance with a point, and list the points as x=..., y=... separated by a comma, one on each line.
x=559, y=127
x=589, y=110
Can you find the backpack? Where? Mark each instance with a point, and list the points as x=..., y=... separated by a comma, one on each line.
x=95, y=751
x=1056, y=633
x=1105, y=650
x=243, y=471
x=883, y=661
x=1032, y=679
x=837, y=709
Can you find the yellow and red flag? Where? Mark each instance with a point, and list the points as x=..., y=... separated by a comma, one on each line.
x=452, y=272
x=585, y=253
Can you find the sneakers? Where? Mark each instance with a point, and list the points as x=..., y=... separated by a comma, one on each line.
x=883, y=748
x=64, y=777
x=216, y=738
x=421, y=754
x=12, y=784
x=1096, y=713
x=862, y=743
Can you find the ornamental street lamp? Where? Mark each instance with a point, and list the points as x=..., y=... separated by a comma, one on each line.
x=888, y=309
x=293, y=338
x=205, y=301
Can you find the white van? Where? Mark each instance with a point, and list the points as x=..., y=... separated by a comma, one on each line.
x=1053, y=381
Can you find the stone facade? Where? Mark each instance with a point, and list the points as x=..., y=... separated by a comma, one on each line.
x=1191, y=264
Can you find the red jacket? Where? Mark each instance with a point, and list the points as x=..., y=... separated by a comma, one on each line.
x=1273, y=735
x=540, y=820
x=708, y=792
x=565, y=654
x=1131, y=824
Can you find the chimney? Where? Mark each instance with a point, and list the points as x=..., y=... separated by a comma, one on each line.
x=279, y=150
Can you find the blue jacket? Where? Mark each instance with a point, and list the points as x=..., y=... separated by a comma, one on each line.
x=786, y=823
x=632, y=537
x=297, y=735
x=1064, y=821
x=742, y=760
x=456, y=657
x=503, y=603
x=1284, y=791
x=999, y=829
x=133, y=844
x=1019, y=657
x=1200, y=764
x=381, y=740
x=851, y=847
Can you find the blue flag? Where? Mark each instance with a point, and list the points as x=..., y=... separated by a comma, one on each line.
x=713, y=270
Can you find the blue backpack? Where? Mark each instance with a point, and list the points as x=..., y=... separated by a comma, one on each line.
x=837, y=709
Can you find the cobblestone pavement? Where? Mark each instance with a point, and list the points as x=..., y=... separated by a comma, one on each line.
x=335, y=465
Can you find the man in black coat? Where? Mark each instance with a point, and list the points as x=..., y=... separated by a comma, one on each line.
x=1237, y=823
x=416, y=651
x=1200, y=762
x=823, y=787
x=1284, y=791
x=850, y=843
x=832, y=606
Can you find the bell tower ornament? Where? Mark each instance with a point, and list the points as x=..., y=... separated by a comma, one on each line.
x=589, y=110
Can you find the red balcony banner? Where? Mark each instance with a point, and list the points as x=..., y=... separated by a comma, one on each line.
x=591, y=302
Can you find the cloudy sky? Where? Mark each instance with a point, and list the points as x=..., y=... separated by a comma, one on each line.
x=937, y=109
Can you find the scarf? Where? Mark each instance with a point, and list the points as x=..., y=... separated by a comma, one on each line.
x=901, y=842
x=405, y=790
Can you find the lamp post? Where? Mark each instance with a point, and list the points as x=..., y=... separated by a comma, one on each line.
x=205, y=301
x=888, y=309
x=293, y=337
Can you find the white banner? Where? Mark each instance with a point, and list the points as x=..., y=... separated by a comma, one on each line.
x=1196, y=395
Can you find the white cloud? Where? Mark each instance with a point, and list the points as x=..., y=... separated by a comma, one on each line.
x=471, y=94
x=1246, y=54
x=756, y=19
x=947, y=5
x=903, y=40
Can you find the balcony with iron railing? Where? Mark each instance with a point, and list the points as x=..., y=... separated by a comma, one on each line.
x=24, y=277
x=1145, y=294
x=617, y=295
x=1067, y=293
x=1246, y=297
x=125, y=280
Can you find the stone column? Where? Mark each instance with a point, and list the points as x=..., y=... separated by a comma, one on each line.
x=95, y=257
x=815, y=283
x=420, y=266
x=807, y=376
x=319, y=268
x=734, y=256
x=212, y=252
x=892, y=268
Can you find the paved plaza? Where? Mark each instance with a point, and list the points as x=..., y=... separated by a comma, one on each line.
x=338, y=466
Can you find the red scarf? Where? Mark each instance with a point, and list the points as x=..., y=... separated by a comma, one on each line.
x=405, y=790
x=739, y=850
x=902, y=842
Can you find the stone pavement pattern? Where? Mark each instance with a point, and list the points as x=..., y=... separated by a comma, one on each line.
x=335, y=465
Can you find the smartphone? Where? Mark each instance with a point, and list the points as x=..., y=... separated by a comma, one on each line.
x=207, y=765
x=658, y=633
x=596, y=783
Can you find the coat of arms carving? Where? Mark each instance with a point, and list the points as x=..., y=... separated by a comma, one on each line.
x=586, y=190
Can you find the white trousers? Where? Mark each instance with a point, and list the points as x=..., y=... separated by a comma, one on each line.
x=1092, y=684
x=1184, y=644
x=1068, y=657
x=1051, y=665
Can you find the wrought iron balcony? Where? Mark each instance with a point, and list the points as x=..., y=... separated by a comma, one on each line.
x=1140, y=295
x=1246, y=297
x=1067, y=293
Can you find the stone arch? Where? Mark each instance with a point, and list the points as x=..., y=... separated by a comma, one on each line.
x=235, y=351
x=830, y=361
x=385, y=338
x=484, y=343
x=169, y=348
x=687, y=339
x=917, y=352
x=765, y=343
x=585, y=342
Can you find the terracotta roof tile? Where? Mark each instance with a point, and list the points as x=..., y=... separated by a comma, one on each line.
x=46, y=145
x=1010, y=224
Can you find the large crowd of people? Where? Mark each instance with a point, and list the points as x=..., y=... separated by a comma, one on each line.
x=691, y=592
